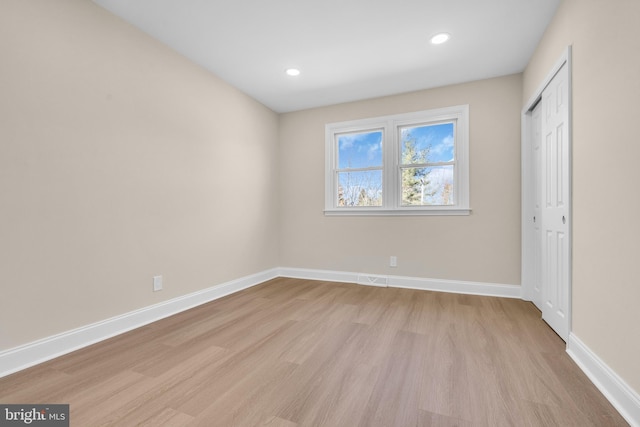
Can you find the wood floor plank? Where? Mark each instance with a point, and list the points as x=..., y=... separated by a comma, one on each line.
x=301, y=392
x=293, y=352
x=33, y=385
x=256, y=404
x=279, y=422
x=112, y=409
x=395, y=400
x=429, y=419
x=196, y=395
x=335, y=386
x=166, y=418
x=209, y=325
x=447, y=383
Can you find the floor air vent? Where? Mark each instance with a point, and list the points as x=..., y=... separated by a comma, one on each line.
x=372, y=280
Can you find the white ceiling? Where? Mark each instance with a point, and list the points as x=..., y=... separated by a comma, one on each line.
x=346, y=49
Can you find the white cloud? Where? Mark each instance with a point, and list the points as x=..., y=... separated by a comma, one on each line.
x=373, y=151
x=347, y=141
x=444, y=146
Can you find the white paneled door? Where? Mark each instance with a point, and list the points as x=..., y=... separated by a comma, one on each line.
x=536, y=218
x=555, y=204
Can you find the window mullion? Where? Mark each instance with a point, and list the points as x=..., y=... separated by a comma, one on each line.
x=370, y=168
x=427, y=165
x=391, y=162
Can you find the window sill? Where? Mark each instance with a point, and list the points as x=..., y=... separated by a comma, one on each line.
x=397, y=212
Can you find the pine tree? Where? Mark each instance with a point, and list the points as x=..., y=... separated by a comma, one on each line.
x=414, y=180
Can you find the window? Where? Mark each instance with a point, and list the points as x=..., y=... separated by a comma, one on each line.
x=407, y=164
x=359, y=171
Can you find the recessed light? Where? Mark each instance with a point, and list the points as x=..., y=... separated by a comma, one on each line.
x=440, y=38
x=292, y=72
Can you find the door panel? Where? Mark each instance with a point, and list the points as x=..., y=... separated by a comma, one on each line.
x=555, y=206
x=536, y=154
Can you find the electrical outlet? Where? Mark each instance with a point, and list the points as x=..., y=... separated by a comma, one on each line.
x=157, y=283
x=393, y=261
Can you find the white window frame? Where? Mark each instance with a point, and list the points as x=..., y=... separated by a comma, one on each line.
x=391, y=147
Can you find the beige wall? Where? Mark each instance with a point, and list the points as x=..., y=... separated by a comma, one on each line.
x=120, y=160
x=606, y=232
x=482, y=247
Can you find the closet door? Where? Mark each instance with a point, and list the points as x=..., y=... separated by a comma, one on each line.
x=536, y=197
x=555, y=208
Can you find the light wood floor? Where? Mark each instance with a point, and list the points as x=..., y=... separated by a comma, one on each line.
x=301, y=353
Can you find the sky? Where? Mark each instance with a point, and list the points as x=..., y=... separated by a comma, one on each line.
x=361, y=150
x=438, y=137
x=358, y=150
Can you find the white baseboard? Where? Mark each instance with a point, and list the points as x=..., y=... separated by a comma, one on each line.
x=451, y=286
x=16, y=359
x=622, y=397
x=326, y=275
x=457, y=286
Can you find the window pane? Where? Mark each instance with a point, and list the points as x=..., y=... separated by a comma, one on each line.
x=427, y=143
x=428, y=186
x=360, y=188
x=360, y=150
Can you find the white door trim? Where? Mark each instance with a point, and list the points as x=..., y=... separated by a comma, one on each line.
x=527, y=180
